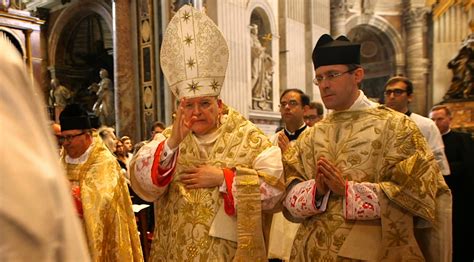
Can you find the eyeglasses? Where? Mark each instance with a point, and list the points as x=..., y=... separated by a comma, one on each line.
x=310, y=117
x=396, y=92
x=330, y=76
x=69, y=138
x=291, y=103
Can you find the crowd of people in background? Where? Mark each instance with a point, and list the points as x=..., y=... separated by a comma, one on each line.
x=364, y=181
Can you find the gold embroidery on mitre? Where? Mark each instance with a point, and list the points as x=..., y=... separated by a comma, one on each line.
x=194, y=86
x=194, y=51
x=214, y=85
x=191, y=62
x=186, y=16
x=188, y=40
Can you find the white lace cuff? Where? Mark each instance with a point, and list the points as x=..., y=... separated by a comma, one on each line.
x=142, y=167
x=301, y=200
x=361, y=201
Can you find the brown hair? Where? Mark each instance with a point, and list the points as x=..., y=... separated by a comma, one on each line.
x=402, y=79
x=442, y=107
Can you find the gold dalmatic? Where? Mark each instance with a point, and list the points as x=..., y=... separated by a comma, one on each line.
x=379, y=146
x=184, y=217
x=108, y=218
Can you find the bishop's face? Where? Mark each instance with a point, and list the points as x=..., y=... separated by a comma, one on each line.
x=204, y=112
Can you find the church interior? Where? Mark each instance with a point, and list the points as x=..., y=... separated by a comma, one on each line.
x=74, y=43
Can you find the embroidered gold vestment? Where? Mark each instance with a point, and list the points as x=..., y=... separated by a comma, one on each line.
x=380, y=146
x=108, y=218
x=185, y=218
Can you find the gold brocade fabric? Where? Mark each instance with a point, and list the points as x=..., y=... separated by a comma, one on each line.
x=109, y=221
x=375, y=145
x=251, y=246
x=184, y=217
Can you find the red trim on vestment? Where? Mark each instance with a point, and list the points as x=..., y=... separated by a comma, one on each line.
x=157, y=172
x=228, y=197
x=76, y=195
x=347, y=198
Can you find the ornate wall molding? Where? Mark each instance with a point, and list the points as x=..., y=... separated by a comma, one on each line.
x=415, y=16
x=253, y=4
x=384, y=26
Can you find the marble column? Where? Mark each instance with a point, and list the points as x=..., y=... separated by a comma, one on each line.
x=126, y=116
x=338, y=17
x=417, y=63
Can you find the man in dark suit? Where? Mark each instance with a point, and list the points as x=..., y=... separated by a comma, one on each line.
x=459, y=150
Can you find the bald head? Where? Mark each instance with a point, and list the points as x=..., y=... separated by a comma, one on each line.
x=57, y=132
x=56, y=129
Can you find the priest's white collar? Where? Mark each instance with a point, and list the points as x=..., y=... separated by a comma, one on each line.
x=82, y=158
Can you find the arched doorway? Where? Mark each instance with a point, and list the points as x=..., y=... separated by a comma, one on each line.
x=377, y=58
x=84, y=47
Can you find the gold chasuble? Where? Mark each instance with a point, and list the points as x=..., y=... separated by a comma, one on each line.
x=383, y=147
x=191, y=224
x=101, y=192
x=214, y=223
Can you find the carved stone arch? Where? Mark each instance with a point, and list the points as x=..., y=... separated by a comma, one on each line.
x=263, y=9
x=71, y=16
x=381, y=52
x=383, y=26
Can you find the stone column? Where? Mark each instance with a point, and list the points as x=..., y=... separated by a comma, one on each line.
x=417, y=64
x=338, y=17
x=282, y=25
x=126, y=116
x=309, y=45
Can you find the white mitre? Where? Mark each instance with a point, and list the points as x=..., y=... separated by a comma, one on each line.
x=194, y=55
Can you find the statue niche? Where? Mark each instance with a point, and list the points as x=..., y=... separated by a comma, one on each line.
x=262, y=72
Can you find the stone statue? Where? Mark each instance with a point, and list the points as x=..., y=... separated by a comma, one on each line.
x=262, y=67
x=59, y=95
x=104, y=106
x=462, y=83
